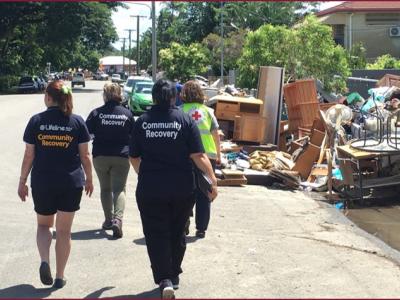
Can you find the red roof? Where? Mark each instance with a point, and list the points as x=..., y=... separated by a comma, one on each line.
x=362, y=6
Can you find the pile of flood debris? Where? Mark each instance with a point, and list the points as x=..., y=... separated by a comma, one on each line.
x=291, y=135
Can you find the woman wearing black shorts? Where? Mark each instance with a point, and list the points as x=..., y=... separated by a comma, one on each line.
x=56, y=149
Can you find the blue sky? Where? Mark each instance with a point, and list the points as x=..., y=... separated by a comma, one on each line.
x=122, y=19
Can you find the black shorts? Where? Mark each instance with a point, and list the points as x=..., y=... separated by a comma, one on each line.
x=48, y=202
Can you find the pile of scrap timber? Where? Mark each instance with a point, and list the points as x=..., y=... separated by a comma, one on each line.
x=232, y=178
x=289, y=178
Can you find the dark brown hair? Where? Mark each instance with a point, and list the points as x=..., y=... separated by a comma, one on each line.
x=61, y=95
x=192, y=93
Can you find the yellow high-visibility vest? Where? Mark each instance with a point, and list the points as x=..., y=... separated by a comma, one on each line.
x=201, y=116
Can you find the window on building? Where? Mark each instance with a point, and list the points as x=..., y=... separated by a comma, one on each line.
x=338, y=34
x=382, y=19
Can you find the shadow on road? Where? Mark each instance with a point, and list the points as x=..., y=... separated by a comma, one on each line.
x=25, y=291
x=191, y=239
x=98, y=293
x=94, y=234
x=153, y=294
x=141, y=241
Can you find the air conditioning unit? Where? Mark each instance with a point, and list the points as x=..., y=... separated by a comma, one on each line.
x=394, y=31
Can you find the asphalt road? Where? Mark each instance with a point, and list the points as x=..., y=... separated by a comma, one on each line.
x=262, y=243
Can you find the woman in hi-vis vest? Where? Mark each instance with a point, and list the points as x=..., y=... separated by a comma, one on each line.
x=203, y=116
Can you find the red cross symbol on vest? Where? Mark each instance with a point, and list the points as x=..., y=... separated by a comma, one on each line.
x=196, y=116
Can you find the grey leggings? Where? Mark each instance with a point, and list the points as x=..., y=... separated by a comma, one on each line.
x=112, y=172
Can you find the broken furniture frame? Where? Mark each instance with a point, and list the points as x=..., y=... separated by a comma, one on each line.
x=384, y=135
x=347, y=153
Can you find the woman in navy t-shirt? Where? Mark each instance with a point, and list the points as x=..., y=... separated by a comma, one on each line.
x=164, y=145
x=56, y=149
x=111, y=126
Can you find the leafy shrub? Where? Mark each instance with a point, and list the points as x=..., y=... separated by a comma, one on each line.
x=7, y=82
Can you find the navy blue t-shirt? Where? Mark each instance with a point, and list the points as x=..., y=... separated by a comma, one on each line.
x=56, y=138
x=164, y=140
x=111, y=125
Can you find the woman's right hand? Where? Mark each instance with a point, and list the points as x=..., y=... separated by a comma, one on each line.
x=214, y=193
x=23, y=190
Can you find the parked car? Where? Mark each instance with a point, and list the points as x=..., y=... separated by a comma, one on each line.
x=78, y=79
x=66, y=75
x=100, y=76
x=141, y=99
x=28, y=84
x=41, y=82
x=116, y=78
x=130, y=85
x=54, y=76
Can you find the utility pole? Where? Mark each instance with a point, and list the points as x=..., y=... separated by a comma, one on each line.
x=129, y=54
x=123, y=56
x=153, y=40
x=138, y=42
x=222, y=44
x=153, y=37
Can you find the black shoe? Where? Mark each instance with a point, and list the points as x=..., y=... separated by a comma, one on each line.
x=107, y=225
x=175, y=282
x=117, y=228
x=166, y=289
x=187, y=225
x=45, y=274
x=200, y=234
x=59, y=283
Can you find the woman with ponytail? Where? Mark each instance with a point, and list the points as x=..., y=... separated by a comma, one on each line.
x=164, y=143
x=56, y=149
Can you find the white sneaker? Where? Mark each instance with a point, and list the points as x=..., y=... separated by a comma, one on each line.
x=166, y=289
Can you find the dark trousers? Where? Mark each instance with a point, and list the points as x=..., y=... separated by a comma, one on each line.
x=163, y=221
x=203, y=207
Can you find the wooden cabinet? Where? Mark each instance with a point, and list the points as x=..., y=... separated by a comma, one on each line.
x=244, y=115
x=228, y=109
x=226, y=106
x=249, y=128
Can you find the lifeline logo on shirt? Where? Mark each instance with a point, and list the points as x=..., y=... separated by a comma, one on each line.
x=151, y=133
x=53, y=140
x=111, y=119
x=54, y=127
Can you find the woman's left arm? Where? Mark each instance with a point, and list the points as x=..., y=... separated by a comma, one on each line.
x=26, y=167
x=87, y=167
x=135, y=162
x=217, y=142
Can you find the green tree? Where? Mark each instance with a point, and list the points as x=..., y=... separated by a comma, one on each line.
x=318, y=56
x=357, y=57
x=384, y=62
x=233, y=46
x=268, y=46
x=180, y=62
x=252, y=15
x=307, y=50
x=63, y=33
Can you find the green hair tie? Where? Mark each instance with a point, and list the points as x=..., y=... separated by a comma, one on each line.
x=66, y=90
